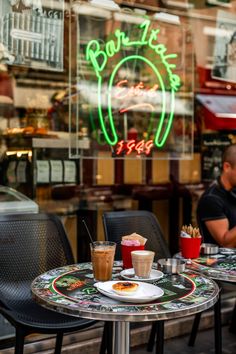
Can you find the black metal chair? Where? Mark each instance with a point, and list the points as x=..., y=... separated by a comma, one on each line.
x=32, y=244
x=232, y=327
x=120, y=223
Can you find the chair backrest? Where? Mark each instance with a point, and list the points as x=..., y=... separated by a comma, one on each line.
x=30, y=244
x=121, y=223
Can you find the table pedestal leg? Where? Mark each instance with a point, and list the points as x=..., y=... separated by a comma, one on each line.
x=218, y=333
x=121, y=337
x=160, y=337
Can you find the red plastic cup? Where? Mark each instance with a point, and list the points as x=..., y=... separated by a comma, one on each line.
x=126, y=254
x=190, y=247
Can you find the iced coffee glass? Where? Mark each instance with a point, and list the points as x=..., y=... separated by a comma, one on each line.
x=142, y=263
x=102, y=257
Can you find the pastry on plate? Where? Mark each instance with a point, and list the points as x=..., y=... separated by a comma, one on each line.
x=125, y=287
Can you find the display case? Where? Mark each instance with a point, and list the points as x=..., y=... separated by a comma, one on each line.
x=14, y=202
x=35, y=165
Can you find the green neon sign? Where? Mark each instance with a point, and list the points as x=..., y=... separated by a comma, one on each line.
x=99, y=57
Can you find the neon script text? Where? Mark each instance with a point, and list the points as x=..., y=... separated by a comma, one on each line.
x=136, y=90
x=99, y=57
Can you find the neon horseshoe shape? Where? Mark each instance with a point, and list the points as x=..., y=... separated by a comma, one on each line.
x=160, y=135
x=99, y=57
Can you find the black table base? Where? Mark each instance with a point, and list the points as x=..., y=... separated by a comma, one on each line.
x=217, y=327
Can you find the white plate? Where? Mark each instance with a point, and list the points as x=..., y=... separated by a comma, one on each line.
x=146, y=292
x=129, y=274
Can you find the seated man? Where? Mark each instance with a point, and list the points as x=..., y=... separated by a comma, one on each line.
x=216, y=211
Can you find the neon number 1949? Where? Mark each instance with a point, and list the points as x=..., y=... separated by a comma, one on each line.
x=133, y=146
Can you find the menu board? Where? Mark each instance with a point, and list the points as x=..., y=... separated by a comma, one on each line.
x=31, y=33
x=56, y=171
x=213, y=146
x=69, y=171
x=21, y=172
x=43, y=171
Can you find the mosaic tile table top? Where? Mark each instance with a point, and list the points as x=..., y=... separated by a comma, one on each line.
x=71, y=290
x=220, y=266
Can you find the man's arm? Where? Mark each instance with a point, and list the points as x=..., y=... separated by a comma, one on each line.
x=219, y=229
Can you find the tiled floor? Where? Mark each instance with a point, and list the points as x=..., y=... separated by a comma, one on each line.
x=204, y=344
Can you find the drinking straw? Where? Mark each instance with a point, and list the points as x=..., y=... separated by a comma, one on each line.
x=88, y=232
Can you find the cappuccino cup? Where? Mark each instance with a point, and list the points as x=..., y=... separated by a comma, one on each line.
x=142, y=261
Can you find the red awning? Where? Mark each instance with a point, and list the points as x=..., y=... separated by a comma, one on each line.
x=219, y=111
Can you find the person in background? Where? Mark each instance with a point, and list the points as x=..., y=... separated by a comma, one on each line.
x=216, y=210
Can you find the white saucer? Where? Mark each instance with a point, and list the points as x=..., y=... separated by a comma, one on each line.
x=129, y=274
x=146, y=292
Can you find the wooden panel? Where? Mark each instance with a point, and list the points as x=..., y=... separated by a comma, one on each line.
x=160, y=169
x=105, y=169
x=133, y=171
x=161, y=210
x=100, y=228
x=70, y=224
x=190, y=170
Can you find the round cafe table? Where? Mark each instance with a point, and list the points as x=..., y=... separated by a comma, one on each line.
x=71, y=290
x=220, y=266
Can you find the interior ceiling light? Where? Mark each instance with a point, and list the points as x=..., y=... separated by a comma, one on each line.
x=165, y=17
x=106, y=4
x=88, y=10
x=183, y=5
x=135, y=16
x=126, y=17
x=219, y=3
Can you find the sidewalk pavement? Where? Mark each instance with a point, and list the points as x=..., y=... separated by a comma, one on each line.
x=204, y=344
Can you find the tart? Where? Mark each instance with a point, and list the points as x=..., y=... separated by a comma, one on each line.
x=125, y=287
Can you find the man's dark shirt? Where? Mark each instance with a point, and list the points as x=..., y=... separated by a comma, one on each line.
x=216, y=203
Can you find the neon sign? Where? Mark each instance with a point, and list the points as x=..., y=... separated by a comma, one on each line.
x=135, y=90
x=130, y=146
x=99, y=58
x=138, y=90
